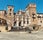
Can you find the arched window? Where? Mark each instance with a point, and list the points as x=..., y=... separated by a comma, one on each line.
x=10, y=9
x=6, y=27
x=33, y=14
x=14, y=23
x=20, y=23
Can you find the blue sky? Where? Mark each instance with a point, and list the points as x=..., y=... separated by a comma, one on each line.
x=21, y=4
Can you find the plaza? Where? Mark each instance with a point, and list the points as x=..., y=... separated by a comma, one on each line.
x=21, y=36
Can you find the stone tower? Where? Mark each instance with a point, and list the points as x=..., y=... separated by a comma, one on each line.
x=10, y=10
x=10, y=16
x=32, y=12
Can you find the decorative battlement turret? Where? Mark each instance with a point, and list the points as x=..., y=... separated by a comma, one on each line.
x=10, y=10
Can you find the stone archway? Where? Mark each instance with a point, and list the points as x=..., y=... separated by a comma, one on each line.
x=3, y=24
x=35, y=27
x=6, y=23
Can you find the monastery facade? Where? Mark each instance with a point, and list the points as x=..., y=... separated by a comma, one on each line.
x=28, y=18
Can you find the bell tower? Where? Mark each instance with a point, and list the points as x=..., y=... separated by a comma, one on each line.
x=10, y=15
x=32, y=12
x=10, y=10
x=32, y=9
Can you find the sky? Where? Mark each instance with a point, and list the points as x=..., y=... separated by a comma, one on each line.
x=21, y=4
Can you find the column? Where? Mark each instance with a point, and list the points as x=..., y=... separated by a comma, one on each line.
x=25, y=21
x=12, y=22
x=22, y=21
x=9, y=25
x=29, y=20
x=17, y=22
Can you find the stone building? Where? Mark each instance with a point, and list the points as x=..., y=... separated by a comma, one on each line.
x=27, y=18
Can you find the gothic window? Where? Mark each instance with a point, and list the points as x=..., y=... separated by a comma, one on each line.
x=14, y=23
x=10, y=9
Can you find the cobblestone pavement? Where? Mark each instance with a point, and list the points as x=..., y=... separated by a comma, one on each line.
x=21, y=36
